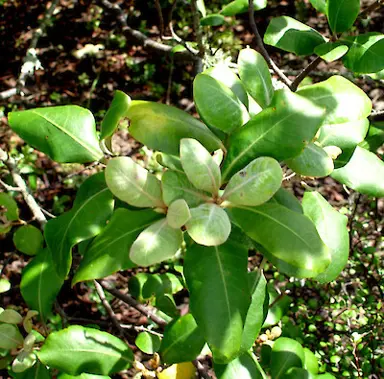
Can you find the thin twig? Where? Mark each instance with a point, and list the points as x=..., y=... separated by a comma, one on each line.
x=263, y=50
x=197, y=28
x=9, y=188
x=161, y=18
x=306, y=71
x=141, y=328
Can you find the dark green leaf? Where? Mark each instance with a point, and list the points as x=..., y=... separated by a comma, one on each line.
x=166, y=303
x=82, y=376
x=219, y=295
x=342, y=14
x=298, y=373
x=212, y=20
x=28, y=239
x=331, y=51
x=287, y=199
x=278, y=307
x=8, y=207
x=148, y=342
x=85, y=350
x=66, y=133
x=374, y=139
x=291, y=35
x=136, y=284
x=38, y=371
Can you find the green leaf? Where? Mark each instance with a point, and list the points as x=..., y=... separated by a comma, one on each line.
x=82, y=376
x=169, y=161
x=154, y=285
x=201, y=7
x=212, y=20
x=291, y=35
x=310, y=361
x=85, y=350
x=374, y=139
x=8, y=207
x=5, y=285
x=209, y=225
x=132, y=183
x=117, y=110
x=286, y=353
x=161, y=127
x=10, y=337
x=258, y=309
x=225, y=75
x=331, y=51
x=136, y=284
x=157, y=243
x=10, y=316
x=281, y=131
x=298, y=373
x=40, y=283
x=199, y=166
x=166, y=303
x=244, y=367
x=219, y=295
x=178, y=214
x=319, y=5
x=256, y=183
x=342, y=14
x=38, y=371
x=91, y=210
x=109, y=251
x=241, y=6
x=217, y=105
x=287, y=199
x=254, y=73
x=313, y=162
x=182, y=341
x=366, y=53
x=65, y=133
x=28, y=239
x=23, y=361
x=332, y=228
x=175, y=185
x=298, y=245
x=364, y=173
x=277, y=308
x=148, y=342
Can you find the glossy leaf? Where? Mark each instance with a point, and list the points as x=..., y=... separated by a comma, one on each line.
x=219, y=295
x=157, y=243
x=331, y=51
x=65, y=133
x=178, y=214
x=374, y=139
x=332, y=228
x=310, y=361
x=256, y=183
x=209, y=225
x=117, y=110
x=132, y=183
x=28, y=239
x=175, y=185
x=185, y=370
x=91, y=210
x=342, y=14
x=287, y=199
x=319, y=5
x=85, y=350
x=10, y=337
x=212, y=20
x=40, y=283
x=286, y=353
x=299, y=243
x=38, y=371
x=291, y=35
x=244, y=367
x=161, y=127
x=182, y=341
x=148, y=342
x=281, y=131
x=217, y=105
x=5, y=285
x=363, y=173
x=109, y=251
x=241, y=6
x=199, y=166
x=366, y=53
x=254, y=73
x=313, y=161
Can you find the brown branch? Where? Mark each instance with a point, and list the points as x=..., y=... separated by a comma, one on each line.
x=306, y=71
x=263, y=50
x=161, y=19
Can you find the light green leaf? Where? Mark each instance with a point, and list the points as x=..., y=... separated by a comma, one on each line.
x=28, y=239
x=10, y=316
x=219, y=295
x=299, y=244
x=287, y=199
x=38, y=371
x=85, y=350
x=23, y=361
x=117, y=110
x=254, y=73
x=201, y=7
x=169, y=161
x=281, y=131
x=342, y=14
x=313, y=161
x=132, y=183
x=148, y=342
x=157, y=243
x=199, y=166
x=241, y=6
x=212, y=20
x=178, y=214
x=5, y=285
x=8, y=207
x=10, y=337
x=319, y=5
x=109, y=251
x=217, y=105
x=331, y=51
x=286, y=353
x=65, y=133
x=277, y=308
x=298, y=373
x=209, y=225
x=89, y=214
x=364, y=173
x=310, y=361
x=366, y=53
x=291, y=35
x=332, y=228
x=82, y=376
x=161, y=127
x=40, y=283
x=256, y=183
